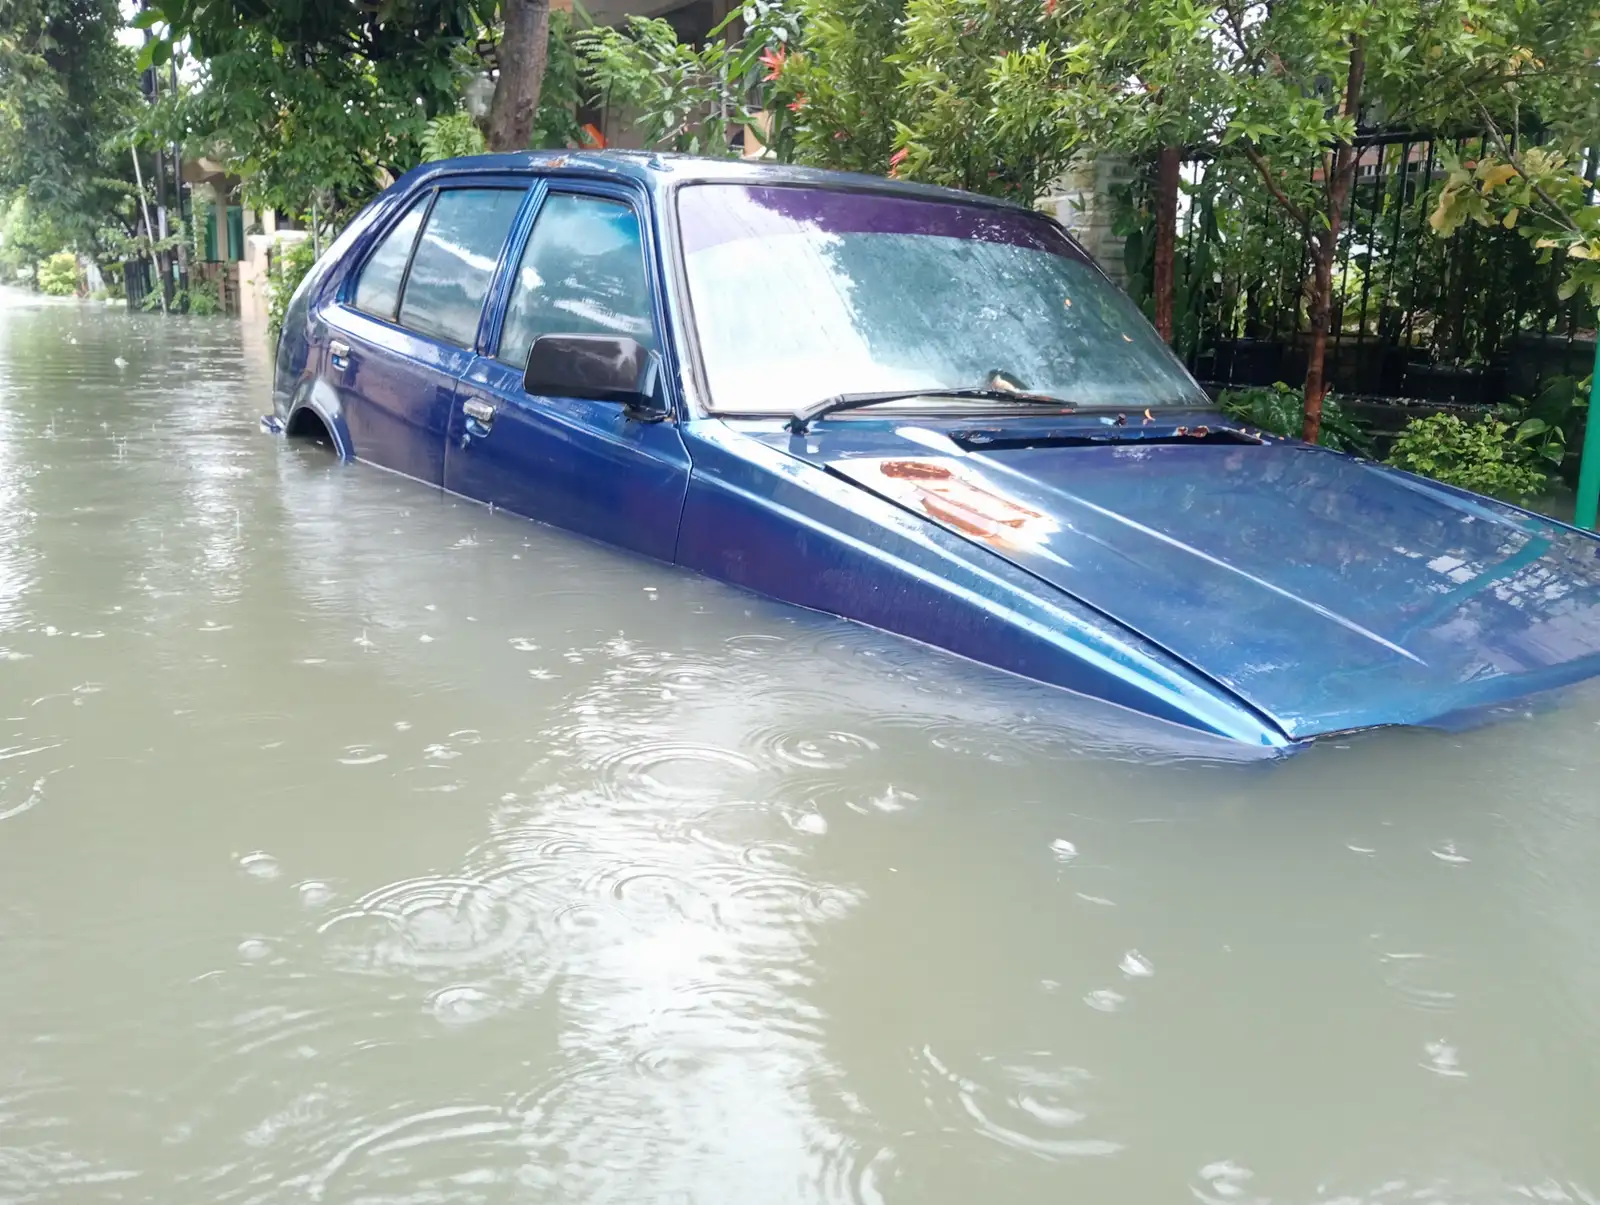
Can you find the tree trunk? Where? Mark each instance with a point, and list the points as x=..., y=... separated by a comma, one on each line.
x=521, y=56
x=1340, y=175
x=1322, y=256
x=1168, y=166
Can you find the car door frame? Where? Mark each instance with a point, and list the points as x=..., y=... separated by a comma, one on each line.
x=427, y=354
x=492, y=330
x=643, y=202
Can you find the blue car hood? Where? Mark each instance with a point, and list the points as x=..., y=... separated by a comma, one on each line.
x=1327, y=592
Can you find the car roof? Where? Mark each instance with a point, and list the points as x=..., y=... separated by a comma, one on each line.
x=660, y=170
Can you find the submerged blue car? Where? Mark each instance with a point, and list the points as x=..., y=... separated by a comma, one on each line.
x=918, y=409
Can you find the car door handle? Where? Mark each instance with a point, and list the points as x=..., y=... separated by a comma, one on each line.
x=479, y=417
x=339, y=354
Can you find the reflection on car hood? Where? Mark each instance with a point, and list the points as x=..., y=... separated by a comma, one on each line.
x=1327, y=592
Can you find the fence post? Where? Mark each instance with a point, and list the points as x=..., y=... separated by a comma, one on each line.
x=1589, y=467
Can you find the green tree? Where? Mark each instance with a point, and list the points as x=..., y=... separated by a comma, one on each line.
x=688, y=98
x=999, y=95
x=564, y=87
x=450, y=136
x=334, y=100
x=66, y=89
x=837, y=96
x=1544, y=73
x=308, y=101
x=58, y=274
x=27, y=236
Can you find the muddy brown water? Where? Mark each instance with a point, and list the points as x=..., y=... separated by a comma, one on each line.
x=360, y=845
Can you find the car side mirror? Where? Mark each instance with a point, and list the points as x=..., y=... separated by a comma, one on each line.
x=602, y=368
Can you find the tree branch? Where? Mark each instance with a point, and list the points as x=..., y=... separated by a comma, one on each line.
x=1259, y=161
x=1557, y=210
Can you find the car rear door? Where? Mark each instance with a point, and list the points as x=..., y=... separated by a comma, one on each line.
x=403, y=329
x=586, y=266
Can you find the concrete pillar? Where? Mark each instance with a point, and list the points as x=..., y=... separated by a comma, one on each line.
x=1083, y=200
x=254, y=300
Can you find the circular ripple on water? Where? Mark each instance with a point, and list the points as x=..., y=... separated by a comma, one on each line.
x=754, y=644
x=532, y=847
x=463, y=1004
x=1418, y=979
x=1224, y=1183
x=255, y=949
x=657, y=888
x=431, y=922
x=299, y=1032
x=960, y=737
x=671, y=770
x=1021, y=1106
x=690, y=675
x=260, y=865
x=314, y=893
x=854, y=1174
x=422, y=1155
x=811, y=750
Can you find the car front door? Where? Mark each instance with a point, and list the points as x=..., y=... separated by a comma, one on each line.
x=404, y=329
x=588, y=466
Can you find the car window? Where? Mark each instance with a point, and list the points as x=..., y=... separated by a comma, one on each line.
x=455, y=262
x=378, y=290
x=582, y=273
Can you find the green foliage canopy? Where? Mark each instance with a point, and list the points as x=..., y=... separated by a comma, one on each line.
x=312, y=98
x=67, y=89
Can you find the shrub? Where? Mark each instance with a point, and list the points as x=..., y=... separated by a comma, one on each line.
x=451, y=135
x=1278, y=409
x=204, y=299
x=58, y=275
x=1481, y=457
x=290, y=263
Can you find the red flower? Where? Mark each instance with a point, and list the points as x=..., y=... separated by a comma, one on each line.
x=1049, y=8
x=798, y=103
x=773, y=61
x=895, y=160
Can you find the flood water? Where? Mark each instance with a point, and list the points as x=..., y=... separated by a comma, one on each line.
x=360, y=845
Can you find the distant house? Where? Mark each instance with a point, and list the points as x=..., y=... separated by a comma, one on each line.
x=231, y=238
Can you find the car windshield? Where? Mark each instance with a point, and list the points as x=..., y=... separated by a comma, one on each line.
x=801, y=294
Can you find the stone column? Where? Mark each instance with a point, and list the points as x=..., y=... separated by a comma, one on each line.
x=1082, y=199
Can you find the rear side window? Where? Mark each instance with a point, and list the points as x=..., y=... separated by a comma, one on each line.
x=378, y=290
x=582, y=273
x=455, y=261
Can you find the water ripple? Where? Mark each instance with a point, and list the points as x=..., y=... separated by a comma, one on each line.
x=1024, y=1107
x=433, y=921
x=660, y=770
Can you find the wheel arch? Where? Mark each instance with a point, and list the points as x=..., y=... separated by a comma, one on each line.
x=307, y=420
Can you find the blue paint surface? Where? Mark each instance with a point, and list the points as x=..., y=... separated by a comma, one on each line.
x=1248, y=586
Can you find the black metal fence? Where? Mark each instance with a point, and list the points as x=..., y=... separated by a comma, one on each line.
x=1472, y=320
x=136, y=281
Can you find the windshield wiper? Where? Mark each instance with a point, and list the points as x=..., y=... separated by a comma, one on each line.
x=802, y=418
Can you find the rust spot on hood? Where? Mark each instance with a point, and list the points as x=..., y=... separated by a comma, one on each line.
x=969, y=506
x=916, y=470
